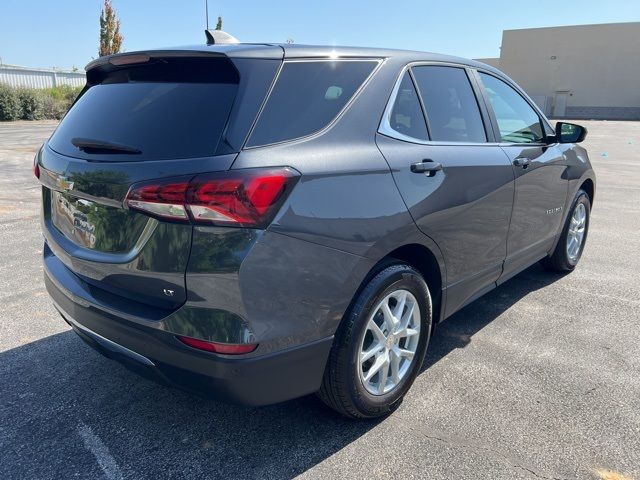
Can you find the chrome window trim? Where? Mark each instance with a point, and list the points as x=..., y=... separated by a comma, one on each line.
x=524, y=144
x=385, y=124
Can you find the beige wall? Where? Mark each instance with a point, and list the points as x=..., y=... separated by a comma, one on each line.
x=492, y=62
x=598, y=65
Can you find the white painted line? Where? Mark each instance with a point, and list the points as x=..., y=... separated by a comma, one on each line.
x=99, y=450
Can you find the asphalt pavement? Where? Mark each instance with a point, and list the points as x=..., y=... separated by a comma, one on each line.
x=538, y=379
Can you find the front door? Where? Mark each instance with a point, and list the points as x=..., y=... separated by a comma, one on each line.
x=540, y=187
x=458, y=187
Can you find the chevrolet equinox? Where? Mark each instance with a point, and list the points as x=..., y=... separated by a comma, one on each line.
x=258, y=222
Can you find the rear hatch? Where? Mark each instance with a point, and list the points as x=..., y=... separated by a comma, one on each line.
x=142, y=117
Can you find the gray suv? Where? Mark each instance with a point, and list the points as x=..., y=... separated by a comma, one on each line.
x=258, y=222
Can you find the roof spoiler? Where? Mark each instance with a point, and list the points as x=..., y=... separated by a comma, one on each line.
x=215, y=37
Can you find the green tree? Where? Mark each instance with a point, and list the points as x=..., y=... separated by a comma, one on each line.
x=219, y=24
x=110, y=37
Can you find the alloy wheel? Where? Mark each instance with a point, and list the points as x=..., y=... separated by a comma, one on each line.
x=577, y=228
x=389, y=342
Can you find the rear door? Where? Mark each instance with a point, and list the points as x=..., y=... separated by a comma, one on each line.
x=540, y=186
x=456, y=182
x=141, y=118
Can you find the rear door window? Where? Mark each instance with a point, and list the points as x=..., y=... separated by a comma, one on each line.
x=166, y=108
x=451, y=107
x=307, y=96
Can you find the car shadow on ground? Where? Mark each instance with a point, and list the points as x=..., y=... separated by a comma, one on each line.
x=458, y=330
x=66, y=411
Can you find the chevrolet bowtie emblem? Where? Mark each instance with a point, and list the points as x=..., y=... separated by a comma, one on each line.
x=64, y=184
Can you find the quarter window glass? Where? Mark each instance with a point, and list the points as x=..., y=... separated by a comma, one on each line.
x=517, y=121
x=406, y=116
x=306, y=97
x=451, y=106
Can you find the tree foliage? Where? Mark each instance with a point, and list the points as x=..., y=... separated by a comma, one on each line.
x=34, y=104
x=219, y=24
x=110, y=36
x=10, y=108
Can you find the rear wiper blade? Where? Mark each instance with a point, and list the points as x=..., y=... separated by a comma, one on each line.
x=89, y=145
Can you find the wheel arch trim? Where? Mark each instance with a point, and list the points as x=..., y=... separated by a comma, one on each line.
x=432, y=267
x=574, y=187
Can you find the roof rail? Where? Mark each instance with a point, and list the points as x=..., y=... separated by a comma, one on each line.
x=215, y=37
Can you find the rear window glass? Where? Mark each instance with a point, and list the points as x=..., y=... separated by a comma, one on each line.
x=164, y=109
x=307, y=96
x=452, y=110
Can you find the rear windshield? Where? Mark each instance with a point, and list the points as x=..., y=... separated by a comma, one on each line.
x=166, y=108
x=307, y=96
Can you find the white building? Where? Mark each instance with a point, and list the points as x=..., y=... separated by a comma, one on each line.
x=582, y=71
x=39, y=77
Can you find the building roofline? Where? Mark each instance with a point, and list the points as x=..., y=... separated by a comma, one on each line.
x=573, y=26
x=38, y=69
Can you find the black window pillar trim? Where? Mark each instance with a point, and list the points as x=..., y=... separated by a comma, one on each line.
x=488, y=117
x=412, y=78
x=493, y=121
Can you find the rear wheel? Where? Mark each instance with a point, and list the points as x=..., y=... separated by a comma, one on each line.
x=569, y=249
x=380, y=345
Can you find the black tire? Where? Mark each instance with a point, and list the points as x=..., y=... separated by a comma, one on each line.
x=559, y=260
x=341, y=387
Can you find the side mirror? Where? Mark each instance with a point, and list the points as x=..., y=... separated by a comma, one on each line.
x=570, y=133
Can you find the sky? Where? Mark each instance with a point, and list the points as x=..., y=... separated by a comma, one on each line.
x=64, y=33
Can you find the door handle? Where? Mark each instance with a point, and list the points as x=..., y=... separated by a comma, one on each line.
x=522, y=162
x=426, y=166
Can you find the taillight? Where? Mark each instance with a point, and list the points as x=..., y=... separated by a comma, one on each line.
x=249, y=197
x=225, y=348
x=36, y=167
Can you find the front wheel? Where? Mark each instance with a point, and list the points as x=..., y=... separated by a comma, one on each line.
x=380, y=345
x=569, y=249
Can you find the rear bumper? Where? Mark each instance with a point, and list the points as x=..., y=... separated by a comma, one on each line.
x=157, y=354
